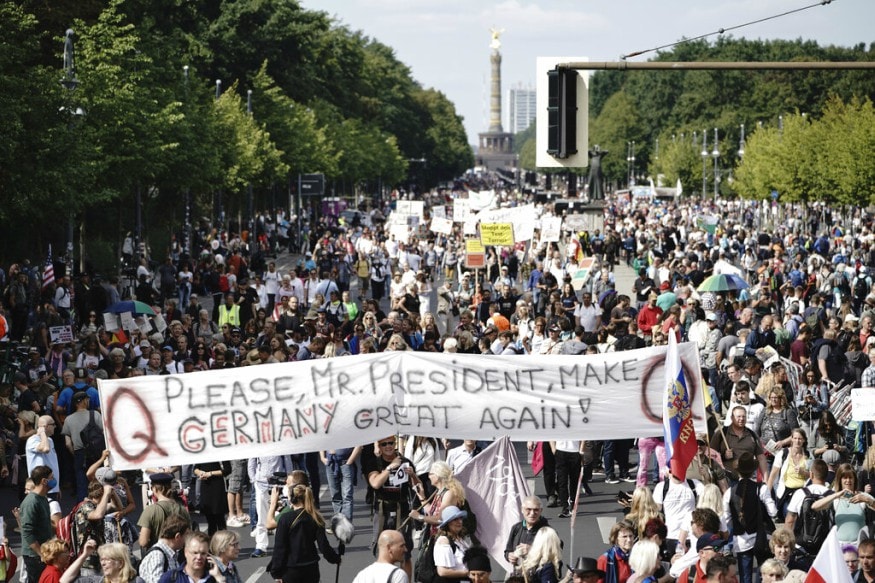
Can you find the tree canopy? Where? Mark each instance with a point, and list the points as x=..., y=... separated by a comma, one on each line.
x=673, y=106
x=146, y=114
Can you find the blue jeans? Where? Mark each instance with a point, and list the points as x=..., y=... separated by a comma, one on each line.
x=341, y=485
x=745, y=566
x=616, y=450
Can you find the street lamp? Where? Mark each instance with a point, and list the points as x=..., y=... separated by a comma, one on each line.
x=741, y=143
x=186, y=235
x=656, y=154
x=704, y=163
x=630, y=160
x=251, y=217
x=70, y=82
x=217, y=195
x=716, y=154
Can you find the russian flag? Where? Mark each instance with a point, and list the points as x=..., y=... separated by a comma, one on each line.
x=829, y=564
x=677, y=414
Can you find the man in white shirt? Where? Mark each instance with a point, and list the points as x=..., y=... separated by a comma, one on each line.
x=677, y=499
x=458, y=457
x=589, y=314
x=40, y=450
x=817, y=487
x=390, y=551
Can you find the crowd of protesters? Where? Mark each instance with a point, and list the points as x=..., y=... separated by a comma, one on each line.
x=776, y=355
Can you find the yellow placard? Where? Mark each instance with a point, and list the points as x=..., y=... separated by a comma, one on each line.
x=474, y=246
x=496, y=233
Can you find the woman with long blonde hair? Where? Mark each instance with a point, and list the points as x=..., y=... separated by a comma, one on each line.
x=448, y=492
x=642, y=508
x=543, y=563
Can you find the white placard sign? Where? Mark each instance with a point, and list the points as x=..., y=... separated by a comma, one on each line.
x=110, y=322
x=441, y=225
x=461, y=210
x=439, y=211
x=128, y=323
x=863, y=404
x=61, y=334
x=305, y=406
x=551, y=228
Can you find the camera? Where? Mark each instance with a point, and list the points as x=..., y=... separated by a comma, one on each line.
x=278, y=479
x=830, y=445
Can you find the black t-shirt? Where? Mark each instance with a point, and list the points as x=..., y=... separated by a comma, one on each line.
x=390, y=491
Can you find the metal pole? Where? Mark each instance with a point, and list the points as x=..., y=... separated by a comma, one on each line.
x=186, y=236
x=716, y=154
x=301, y=249
x=718, y=65
x=704, y=162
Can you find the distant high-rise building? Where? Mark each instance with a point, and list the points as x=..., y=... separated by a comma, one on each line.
x=521, y=108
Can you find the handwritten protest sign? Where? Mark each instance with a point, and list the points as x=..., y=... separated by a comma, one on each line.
x=326, y=404
x=496, y=233
x=441, y=225
x=62, y=334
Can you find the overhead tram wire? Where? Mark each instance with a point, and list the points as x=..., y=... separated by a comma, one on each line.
x=725, y=30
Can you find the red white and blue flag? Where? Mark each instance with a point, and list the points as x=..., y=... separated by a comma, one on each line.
x=829, y=564
x=677, y=414
x=48, y=270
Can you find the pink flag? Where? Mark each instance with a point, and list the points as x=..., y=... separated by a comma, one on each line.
x=495, y=487
x=829, y=564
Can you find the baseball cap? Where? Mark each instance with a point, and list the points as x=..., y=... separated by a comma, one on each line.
x=709, y=539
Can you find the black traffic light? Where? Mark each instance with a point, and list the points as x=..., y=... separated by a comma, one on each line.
x=562, y=112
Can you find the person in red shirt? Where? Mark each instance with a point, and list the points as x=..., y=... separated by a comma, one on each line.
x=707, y=546
x=648, y=317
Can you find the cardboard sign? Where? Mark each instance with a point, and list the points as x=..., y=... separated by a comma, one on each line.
x=61, y=334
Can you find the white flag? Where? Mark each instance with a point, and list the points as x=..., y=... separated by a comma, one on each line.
x=829, y=564
x=495, y=486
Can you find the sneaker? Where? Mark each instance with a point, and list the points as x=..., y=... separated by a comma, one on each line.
x=258, y=553
x=629, y=479
x=244, y=519
x=565, y=513
x=233, y=522
x=612, y=481
x=552, y=502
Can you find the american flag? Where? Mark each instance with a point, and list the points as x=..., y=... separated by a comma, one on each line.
x=48, y=270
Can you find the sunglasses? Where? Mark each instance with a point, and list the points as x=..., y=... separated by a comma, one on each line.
x=386, y=443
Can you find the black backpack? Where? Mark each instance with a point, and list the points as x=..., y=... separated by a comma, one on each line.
x=93, y=441
x=426, y=571
x=812, y=526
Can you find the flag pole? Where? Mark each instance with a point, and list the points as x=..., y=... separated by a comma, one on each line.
x=574, y=512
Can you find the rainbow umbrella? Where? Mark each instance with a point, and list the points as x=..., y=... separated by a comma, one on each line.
x=722, y=282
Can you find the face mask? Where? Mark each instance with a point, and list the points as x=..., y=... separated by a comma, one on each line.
x=52, y=483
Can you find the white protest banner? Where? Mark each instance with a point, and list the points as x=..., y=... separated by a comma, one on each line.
x=522, y=218
x=495, y=488
x=551, y=228
x=481, y=200
x=324, y=404
x=61, y=334
x=439, y=211
x=441, y=225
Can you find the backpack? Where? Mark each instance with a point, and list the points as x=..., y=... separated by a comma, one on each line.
x=93, y=441
x=153, y=549
x=861, y=287
x=66, y=528
x=426, y=571
x=812, y=526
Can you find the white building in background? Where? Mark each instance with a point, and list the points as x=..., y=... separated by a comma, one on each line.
x=521, y=108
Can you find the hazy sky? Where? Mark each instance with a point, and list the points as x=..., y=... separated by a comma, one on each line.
x=446, y=42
